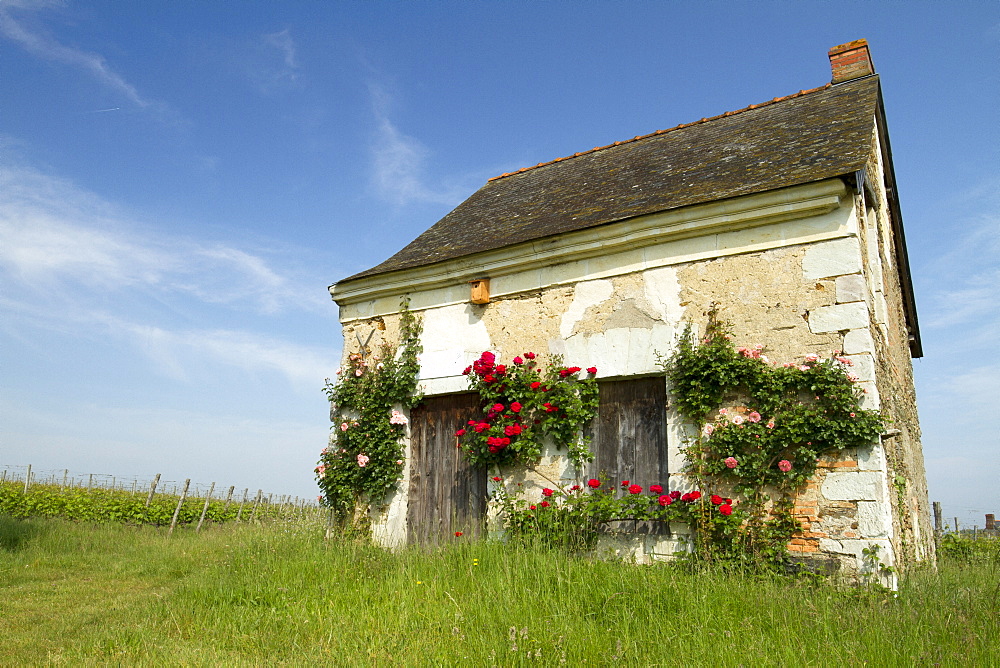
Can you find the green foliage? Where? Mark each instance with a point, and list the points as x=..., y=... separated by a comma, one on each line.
x=964, y=549
x=523, y=406
x=114, y=506
x=365, y=457
x=762, y=429
x=573, y=518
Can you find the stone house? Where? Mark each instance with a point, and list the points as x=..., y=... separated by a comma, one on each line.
x=783, y=214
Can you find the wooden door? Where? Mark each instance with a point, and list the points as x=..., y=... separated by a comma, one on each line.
x=629, y=437
x=445, y=494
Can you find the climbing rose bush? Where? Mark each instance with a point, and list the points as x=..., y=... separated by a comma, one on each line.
x=523, y=404
x=574, y=516
x=364, y=460
x=761, y=429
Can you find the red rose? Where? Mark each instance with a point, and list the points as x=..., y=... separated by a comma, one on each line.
x=726, y=509
x=545, y=504
x=494, y=449
x=593, y=483
x=728, y=502
x=665, y=500
x=467, y=371
x=536, y=385
x=547, y=492
x=686, y=497
x=518, y=361
x=695, y=495
x=635, y=489
x=656, y=489
x=457, y=534
x=716, y=500
x=574, y=488
x=515, y=407
x=497, y=408
x=592, y=370
x=533, y=508
x=460, y=432
x=625, y=483
x=501, y=369
x=497, y=478
x=675, y=495
x=488, y=379
x=530, y=356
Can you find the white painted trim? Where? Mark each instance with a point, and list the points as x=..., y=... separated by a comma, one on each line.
x=796, y=202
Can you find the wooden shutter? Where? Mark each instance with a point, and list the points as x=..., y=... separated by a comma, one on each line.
x=445, y=494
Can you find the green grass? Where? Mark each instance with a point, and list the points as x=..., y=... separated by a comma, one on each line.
x=277, y=594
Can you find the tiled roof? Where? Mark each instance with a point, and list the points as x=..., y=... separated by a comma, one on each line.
x=809, y=136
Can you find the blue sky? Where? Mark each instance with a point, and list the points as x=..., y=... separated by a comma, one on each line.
x=181, y=181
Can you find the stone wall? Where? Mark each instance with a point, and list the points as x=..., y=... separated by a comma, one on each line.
x=800, y=286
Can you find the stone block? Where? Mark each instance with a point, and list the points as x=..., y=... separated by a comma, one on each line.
x=832, y=258
x=858, y=341
x=863, y=367
x=873, y=519
x=838, y=317
x=871, y=458
x=855, y=486
x=851, y=288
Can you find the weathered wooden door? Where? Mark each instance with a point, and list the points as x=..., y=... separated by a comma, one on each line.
x=629, y=436
x=445, y=494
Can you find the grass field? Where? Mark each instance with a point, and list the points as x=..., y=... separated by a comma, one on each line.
x=277, y=594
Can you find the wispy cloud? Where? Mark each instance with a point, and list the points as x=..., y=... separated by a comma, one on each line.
x=55, y=235
x=960, y=283
x=398, y=160
x=181, y=354
x=15, y=26
x=71, y=262
x=270, y=62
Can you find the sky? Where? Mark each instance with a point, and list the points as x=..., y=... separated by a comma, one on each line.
x=181, y=181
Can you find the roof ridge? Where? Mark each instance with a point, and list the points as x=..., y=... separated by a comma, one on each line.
x=660, y=132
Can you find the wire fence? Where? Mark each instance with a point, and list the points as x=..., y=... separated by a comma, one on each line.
x=65, y=478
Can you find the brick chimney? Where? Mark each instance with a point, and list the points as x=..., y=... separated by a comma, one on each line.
x=851, y=61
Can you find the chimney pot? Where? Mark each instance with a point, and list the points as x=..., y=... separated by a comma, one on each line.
x=851, y=61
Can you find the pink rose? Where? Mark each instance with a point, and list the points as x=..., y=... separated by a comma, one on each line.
x=363, y=460
x=518, y=361
x=731, y=462
x=785, y=465
x=770, y=424
x=343, y=426
x=754, y=417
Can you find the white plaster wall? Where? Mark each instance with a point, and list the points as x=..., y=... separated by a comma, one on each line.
x=452, y=338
